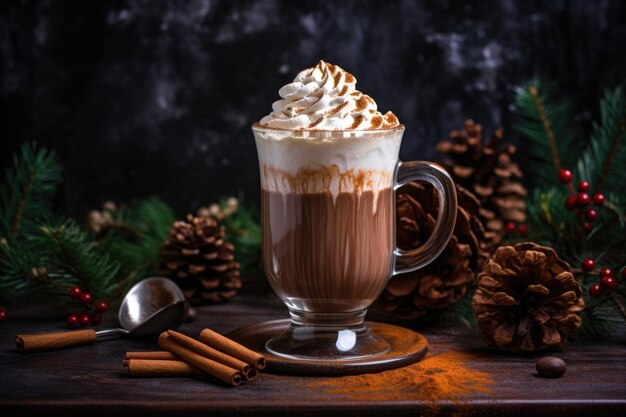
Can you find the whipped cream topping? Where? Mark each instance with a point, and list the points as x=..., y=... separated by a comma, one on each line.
x=324, y=97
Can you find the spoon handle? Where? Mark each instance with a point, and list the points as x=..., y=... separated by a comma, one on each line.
x=52, y=341
x=107, y=334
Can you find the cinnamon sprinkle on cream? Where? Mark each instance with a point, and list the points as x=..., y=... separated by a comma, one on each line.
x=377, y=121
x=357, y=122
x=315, y=123
x=337, y=78
x=361, y=103
x=336, y=109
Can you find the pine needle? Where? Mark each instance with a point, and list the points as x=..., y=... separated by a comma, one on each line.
x=70, y=250
x=597, y=323
x=27, y=190
x=603, y=162
x=461, y=313
x=26, y=274
x=543, y=121
x=137, y=242
x=243, y=229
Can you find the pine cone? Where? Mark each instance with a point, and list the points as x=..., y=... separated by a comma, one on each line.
x=196, y=256
x=220, y=211
x=442, y=283
x=486, y=169
x=100, y=221
x=527, y=299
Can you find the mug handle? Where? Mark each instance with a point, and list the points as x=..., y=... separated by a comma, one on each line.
x=410, y=260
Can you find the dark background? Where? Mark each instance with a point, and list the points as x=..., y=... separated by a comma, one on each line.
x=154, y=97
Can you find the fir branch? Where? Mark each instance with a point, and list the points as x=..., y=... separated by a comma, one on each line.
x=243, y=230
x=547, y=127
x=137, y=239
x=550, y=223
x=599, y=162
x=619, y=303
x=597, y=323
x=29, y=185
x=614, y=121
x=25, y=273
x=461, y=313
x=542, y=120
x=69, y=249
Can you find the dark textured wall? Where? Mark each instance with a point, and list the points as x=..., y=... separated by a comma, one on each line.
x=153, y=97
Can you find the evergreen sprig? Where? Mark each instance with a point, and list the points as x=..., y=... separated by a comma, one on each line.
x=243, y=230
x=27, y=190
x=603, y=161
x=69, y=249
x=136, y=238
x=542, y=119
x=461, y=313
x=26, y=274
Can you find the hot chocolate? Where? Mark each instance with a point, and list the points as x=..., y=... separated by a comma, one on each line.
x=328, y=254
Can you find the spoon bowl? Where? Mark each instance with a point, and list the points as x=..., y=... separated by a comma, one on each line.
x=150, y=307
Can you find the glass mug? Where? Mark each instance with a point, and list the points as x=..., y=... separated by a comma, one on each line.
x=328, y=232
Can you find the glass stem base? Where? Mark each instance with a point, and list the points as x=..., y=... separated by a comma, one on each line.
x=320, y=336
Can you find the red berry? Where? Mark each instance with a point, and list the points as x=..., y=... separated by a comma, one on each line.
x=588, y=264
x=3, y=314
x=96, y=318
x=523, y=229
x=591, y=214
x=571, y=202
x=598, y=199
x=510, y=227
x=73, y=320
x=587, y=227
x=566, y=176
x=583, y=199
x=86, y=298
x=75, y=292
x=608, y=283
x=84, y=319
x=595, y=291
x=583, y=186
x=102, y=306
x=606, y=272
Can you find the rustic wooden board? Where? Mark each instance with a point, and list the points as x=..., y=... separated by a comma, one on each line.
x=87, y=379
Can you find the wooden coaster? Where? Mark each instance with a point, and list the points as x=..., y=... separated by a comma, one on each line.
x=407, y=347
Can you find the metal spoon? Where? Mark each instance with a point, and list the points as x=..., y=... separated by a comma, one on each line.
x=150, y=307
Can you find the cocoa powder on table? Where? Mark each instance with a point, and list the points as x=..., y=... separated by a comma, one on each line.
x=443, y=376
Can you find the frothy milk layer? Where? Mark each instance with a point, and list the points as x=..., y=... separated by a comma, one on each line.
x=347, y=162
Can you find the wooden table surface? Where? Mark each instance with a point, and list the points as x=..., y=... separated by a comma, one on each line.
x=86, y=380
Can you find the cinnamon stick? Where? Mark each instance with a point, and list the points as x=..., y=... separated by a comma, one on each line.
x=232, y=348
x=249, y=372
x=159, y=355
x=222, y=372
x=159, y=368
x=51, y=341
